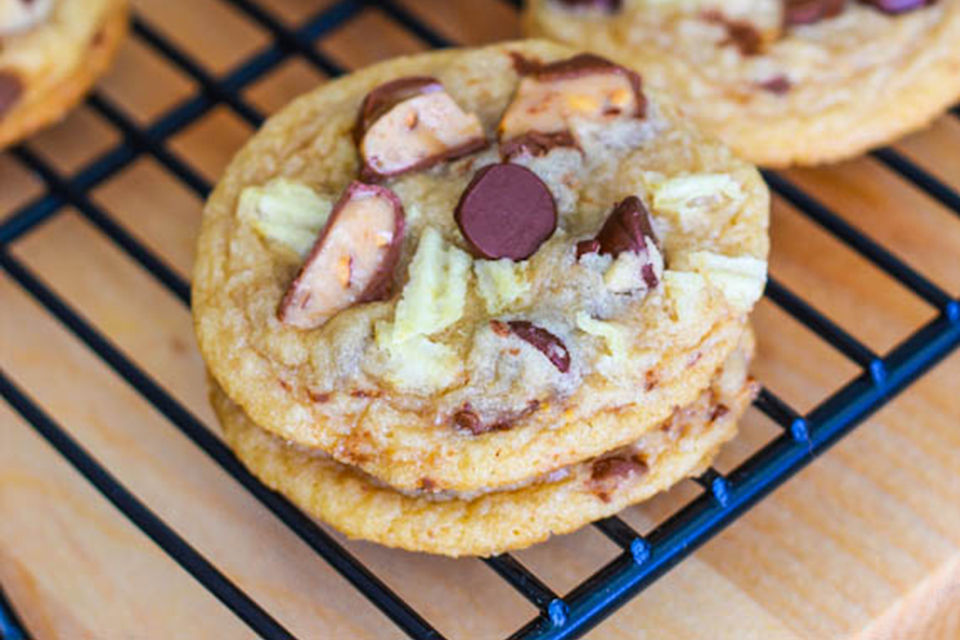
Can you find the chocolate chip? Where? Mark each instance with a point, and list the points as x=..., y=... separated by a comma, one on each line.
x=535, y=143
x=627, y=229
x=11, y=88
x=607, y=6
x=506, y=212
x=778, y=85
x=607, y=474
x=543, y=341
x=743, y=35
x=898, y=6
x=468, y=420
x=719, y=411
x=388, y=95
x=798, y=12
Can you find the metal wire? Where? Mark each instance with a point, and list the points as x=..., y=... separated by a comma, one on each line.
x=644, y=557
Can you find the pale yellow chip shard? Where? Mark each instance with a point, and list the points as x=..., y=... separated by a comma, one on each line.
x=614, y=335
x=741, y=279
x=689, y=200
x=502, y=284
x=417, y=364
x=687, y=293
x=434, y=296
x=285, y=211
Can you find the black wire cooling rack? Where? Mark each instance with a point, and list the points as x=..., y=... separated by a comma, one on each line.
x=643, y=559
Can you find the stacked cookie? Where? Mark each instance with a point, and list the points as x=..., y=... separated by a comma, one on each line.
x=461, y=301
x=51, y=52
x=780, y=81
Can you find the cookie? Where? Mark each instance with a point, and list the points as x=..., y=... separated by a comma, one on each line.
x=462, y=269
x=782, y=82
x=494, y=522
x=51, y=52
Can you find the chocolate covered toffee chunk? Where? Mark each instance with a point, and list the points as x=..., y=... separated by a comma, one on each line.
x=551, y=96
x=352, y=260
x=499, y=356
x=506, y=212
x=412, y=124
x=782, y=82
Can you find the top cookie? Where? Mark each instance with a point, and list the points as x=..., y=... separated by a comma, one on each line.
x=51, y=51
x=780, y=81
x=541, y=261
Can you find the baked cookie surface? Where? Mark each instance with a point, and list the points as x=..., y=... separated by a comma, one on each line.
x=392, y=325
x=51, y=52
x=780, y=81
x=491, y=523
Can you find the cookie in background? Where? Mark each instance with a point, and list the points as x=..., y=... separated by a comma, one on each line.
x=51, y=53
x=782, y=82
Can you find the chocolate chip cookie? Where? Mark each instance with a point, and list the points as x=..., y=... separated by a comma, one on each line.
x=782, y=82
x=51, y=52
x=490, y=522
x=459, y=270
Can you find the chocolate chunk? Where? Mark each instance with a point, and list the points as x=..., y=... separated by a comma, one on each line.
x=535, y=144
x=778, y=85
x=719, y=411
x=543, y=341
x=411, y=124
x=607, y=474
x=549, y=96
x=506, y=212
x=627, y=229
x=387, y=96
x=607, y=6
x=468, y=420
x=741, y=34
x=587, y=246
x=352, y=260
x=898, y=6
x=798, y=12
x=11, y=88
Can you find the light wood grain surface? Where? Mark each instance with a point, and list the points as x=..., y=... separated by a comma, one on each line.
x=863, y=544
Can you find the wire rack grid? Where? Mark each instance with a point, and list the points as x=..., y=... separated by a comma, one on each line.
x=643, y=558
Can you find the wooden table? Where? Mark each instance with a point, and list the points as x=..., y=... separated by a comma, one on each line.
x=865, y=543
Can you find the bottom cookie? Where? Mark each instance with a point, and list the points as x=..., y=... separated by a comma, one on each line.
x=494, y=522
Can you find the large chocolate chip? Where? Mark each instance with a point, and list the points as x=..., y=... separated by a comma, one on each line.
x=898, y=6
x=543, y=341
x=607, y=6
x=506, y=212
x=627, y=229
x=11, y=88
x=798, y=12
